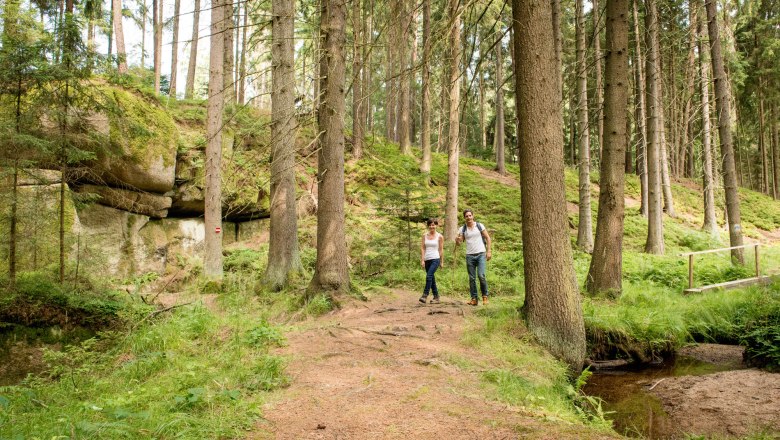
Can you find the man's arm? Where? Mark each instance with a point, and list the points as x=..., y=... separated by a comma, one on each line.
x=489, y=243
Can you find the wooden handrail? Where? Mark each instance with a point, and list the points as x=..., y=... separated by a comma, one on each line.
x=710, y=251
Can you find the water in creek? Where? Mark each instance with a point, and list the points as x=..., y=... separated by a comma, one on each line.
x=634, y=410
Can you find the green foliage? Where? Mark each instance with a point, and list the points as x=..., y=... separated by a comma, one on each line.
x=762, y=339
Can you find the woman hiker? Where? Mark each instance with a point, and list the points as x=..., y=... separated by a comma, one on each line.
x=431, y=258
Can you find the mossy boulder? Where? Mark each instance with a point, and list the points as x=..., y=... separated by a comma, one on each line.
x=143, y=137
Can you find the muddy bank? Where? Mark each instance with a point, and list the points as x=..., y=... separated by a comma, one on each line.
x=729, y=403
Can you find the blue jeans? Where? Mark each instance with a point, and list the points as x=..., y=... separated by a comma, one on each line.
x=430, y=277
x=475, y=264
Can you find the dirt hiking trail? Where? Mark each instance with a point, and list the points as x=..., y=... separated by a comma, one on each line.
x=388, y=369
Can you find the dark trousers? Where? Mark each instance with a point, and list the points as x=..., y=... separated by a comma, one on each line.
x=430, y=277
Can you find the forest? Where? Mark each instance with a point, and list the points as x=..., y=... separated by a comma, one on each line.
x=211, y=216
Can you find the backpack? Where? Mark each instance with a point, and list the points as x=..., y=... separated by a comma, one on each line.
x=480, y=228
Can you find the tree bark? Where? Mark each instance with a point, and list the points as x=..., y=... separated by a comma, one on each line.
x=641, y=114
x=556, y=26
x=425, y=117
x=403, y=78
x=585, y=227
x=499, y=136
x=606, y=266
x=596, y=14
x=685, y=159
x=189, y=88
x=175, y=49
x=453, y=152
x=655, y=226
x=357, y=86
x=331, y=272
x=391, y=80
x=773, y=127
x=722, y=105
x=119, y=35
x=212, y=261
x=242, y=62
x=157, y=6
x=552, y=301
x=710, y=222
x=762, y=143
x=284, y=260
x=228, y=58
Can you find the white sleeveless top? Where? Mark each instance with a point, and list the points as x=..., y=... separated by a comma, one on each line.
x=431, y=247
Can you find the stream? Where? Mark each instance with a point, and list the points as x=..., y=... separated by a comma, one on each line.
x=633, y=409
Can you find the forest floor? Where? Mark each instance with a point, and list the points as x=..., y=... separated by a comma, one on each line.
x=393, y=368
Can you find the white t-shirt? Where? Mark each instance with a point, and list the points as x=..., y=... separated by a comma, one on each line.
x=473, y=239
x=431, y=247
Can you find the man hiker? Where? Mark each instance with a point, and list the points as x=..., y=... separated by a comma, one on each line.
x=478, y=244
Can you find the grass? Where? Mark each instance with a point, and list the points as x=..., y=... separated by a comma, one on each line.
x=195, y=373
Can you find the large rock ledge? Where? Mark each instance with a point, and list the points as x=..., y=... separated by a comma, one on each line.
x=153, y=205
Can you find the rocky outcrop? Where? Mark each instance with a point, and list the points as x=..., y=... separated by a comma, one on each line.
x=149, y=204
x=141, y=152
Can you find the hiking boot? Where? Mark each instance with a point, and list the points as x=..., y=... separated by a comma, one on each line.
x=423, y=299
x=435, y=300
x=473, y=302
x=484, y=300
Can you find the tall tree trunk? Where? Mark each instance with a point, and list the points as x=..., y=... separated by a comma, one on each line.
x=686, y=147
x=143, y=34
x=157, y=20
x=596, y=13
x=110, y=30
x=606, y=266
x=722, y=105
x=585, y=228
x=284, y=260
x=425, y=117
x=453, y=152
x=412, y=77
x=228, y=58
x=242, y=62
x=773, y=127
x=666, y=180
x=552, y=301
x=357, y=87
x=710, y=222
x=331, y=272
x=403, y=78
x=762, y=143
x=12, y=226
x=482, y=126
x=212, y=261
x=391, y=80
x=119, y=35
x=189, y=88
x=175, y=49
x=641, y=114
x=367, y=114
x=499, y=136
x=655, y=225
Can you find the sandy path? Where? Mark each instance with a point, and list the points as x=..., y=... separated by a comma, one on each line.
x=730, y=403
x=389, y=369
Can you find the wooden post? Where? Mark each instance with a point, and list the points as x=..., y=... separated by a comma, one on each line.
x=690, y=271
x=758, y=270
